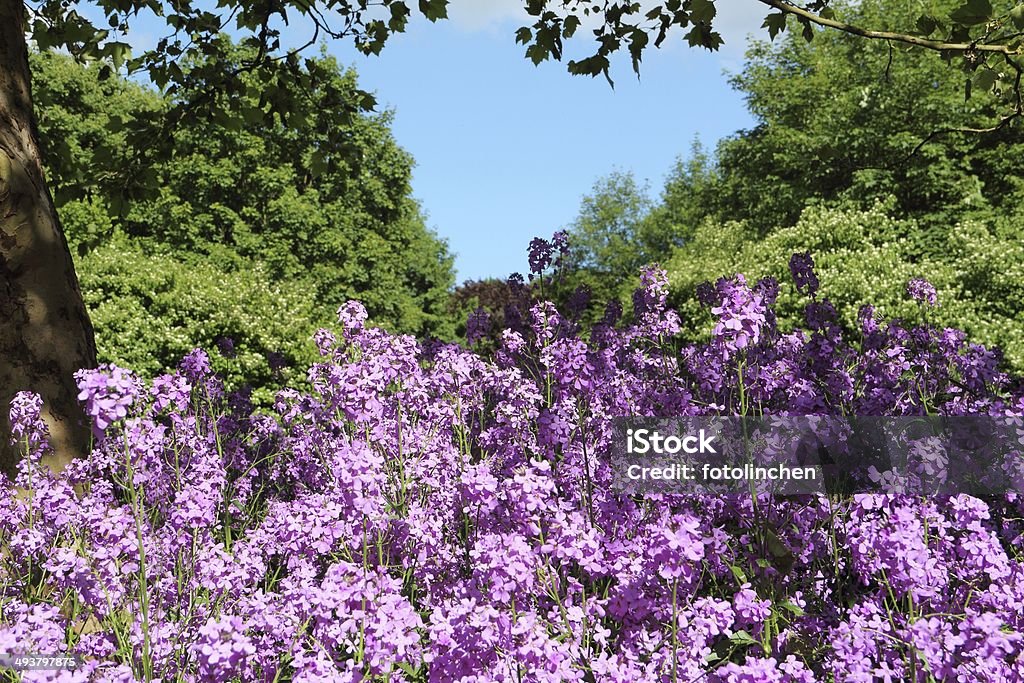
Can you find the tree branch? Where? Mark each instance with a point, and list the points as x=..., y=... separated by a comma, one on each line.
x=1003, y=123
x=937, y=45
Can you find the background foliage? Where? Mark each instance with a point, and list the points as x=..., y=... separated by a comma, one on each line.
x=152, y=309
x=867, y=257
x=855, y=157
x=246, y=231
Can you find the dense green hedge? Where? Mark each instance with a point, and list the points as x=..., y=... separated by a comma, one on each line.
x=238, y=230
x=151, y=309
x=867, y=257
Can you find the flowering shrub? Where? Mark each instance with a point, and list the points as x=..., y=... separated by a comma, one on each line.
x=867, y=256
x=428, y=514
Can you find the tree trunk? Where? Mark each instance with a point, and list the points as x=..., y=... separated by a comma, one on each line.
x=45, y=333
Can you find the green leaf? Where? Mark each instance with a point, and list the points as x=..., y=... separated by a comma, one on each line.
x=434, y=9
x=701, y=35
x=775, y=23
x=399, y=17
x=637, y=43
x=119, y=53
x=569, y=26
x=743, y=638
x=808, y=31
x=740, y=575
x=409, y=669
x=702, y=10
x=591, y=66
x=972, y=12
x=537, y=53
x=252, y=115
x=1017, y=16
x=985, y=79
x=794, y=608
x=926, y=25
x=367, y=101
x=524, y=35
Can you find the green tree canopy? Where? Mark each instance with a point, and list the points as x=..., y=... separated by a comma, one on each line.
x=868, y=257
x=234, y=241
x=856, y=158
x=151, y=309
x=606, y=240
x=844, y=121
x=261, y=195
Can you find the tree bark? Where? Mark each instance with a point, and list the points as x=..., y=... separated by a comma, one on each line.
x=45, y=333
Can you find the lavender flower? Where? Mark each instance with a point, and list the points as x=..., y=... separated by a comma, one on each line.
x=541, y=254
x=108, y=392
x=741, y=313
x=478, y=326
x=922, y=291
x=26, y=420
x=226, y=346
x=801, y=267
x=420, y=512
x=222, y=649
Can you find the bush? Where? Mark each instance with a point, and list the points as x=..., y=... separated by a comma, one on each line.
x=236, y=193
x=867, y=257
x=149, y=310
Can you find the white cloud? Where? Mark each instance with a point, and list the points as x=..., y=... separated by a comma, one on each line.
x=480, y=15
x=738, y=19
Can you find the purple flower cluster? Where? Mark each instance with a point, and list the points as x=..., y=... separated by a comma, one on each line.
x=801, y=267
x=543, y=254
x=107, y=393
x=740, y=313
x=922, y=291
x=424, y=513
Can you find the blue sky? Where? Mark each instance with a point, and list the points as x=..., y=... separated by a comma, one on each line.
x=505, y=150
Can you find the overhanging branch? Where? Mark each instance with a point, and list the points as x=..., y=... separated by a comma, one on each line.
x=907, y=38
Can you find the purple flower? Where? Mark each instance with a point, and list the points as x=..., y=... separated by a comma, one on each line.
x=276, y=361
x=866, y=316
x=801, y=267
x=418, y=511
x=478, y=325
x=108, y=392
x=707, y=295
x=170, y=390
x=325, y=341
x=196, y=366
x=751, y=611
x=516, y=284
x=922, y=291
x=560, y=241
x=768, y=288
x=226, y=346
x=26, y=418
x=352, y=317
x=222, y=649
x=741, y=314
x=578, y=301
x=540, y=255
